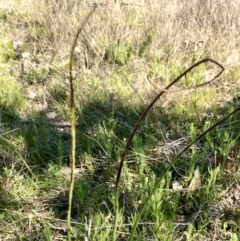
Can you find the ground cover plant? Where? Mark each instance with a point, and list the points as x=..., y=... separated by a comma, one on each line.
x=125, y=55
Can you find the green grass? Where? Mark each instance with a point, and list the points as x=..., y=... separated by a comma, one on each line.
x=124, y=57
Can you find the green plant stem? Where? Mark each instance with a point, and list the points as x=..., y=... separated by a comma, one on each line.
x=73, y=126
x=116, y=215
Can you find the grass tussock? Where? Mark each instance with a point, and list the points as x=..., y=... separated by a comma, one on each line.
x=127, y=53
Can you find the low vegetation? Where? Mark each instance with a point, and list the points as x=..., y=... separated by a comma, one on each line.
x=127, y=53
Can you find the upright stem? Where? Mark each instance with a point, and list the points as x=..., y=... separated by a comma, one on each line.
x=73, y=126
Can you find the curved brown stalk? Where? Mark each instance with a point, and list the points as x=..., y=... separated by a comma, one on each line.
x=142, y=117
x=129, y=141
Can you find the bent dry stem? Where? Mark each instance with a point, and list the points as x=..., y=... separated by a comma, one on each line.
x=129, y=141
